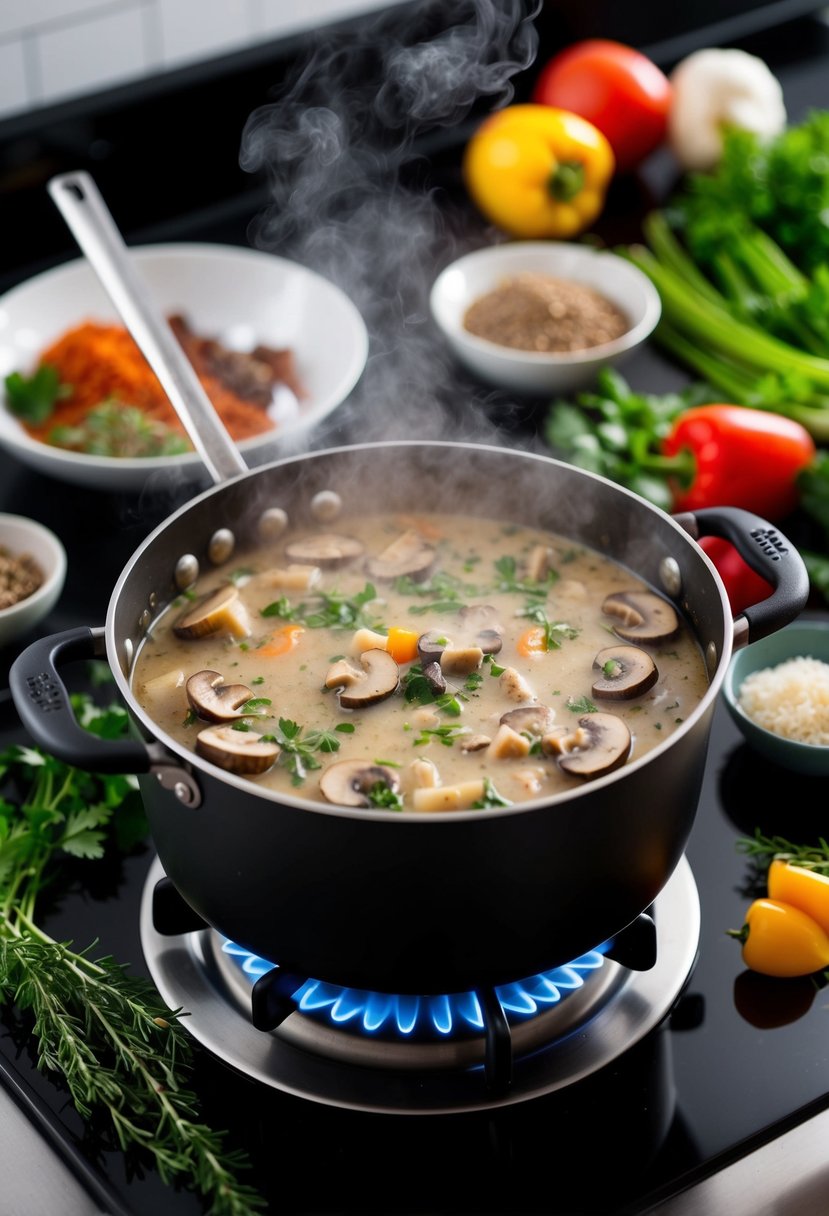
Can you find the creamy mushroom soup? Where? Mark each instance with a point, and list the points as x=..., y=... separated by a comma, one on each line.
x=431, y=664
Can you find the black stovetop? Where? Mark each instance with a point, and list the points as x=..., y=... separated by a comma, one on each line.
x=738, y=1059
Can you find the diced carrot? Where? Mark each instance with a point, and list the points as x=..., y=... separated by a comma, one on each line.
x=282, y=641
x=427, y=529
x=532, y=642
x=402, y=644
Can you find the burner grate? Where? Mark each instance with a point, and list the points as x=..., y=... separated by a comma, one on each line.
x=305, y=1056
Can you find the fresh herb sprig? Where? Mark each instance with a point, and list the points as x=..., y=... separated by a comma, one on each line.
x=762, y=850
x=618, y=433
x=297, y=746
x=329, y=610
x=509, y=579
x=554, y=631
x=121, y=1052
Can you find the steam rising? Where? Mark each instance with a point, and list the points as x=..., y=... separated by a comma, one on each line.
x=338, y=150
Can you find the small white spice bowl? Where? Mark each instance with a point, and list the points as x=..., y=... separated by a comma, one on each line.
x=537, y=373
x=20, y=535
x=807, y=637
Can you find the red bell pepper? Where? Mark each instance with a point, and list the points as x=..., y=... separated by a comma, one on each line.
x=733, y=456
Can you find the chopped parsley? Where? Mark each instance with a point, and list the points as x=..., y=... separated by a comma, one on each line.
x=581, y=705
x=383, y=796
x=297, y=749
x=443, y=734
x=491, y=798
x=554, y=631
x=506, y=569
x=330, y=610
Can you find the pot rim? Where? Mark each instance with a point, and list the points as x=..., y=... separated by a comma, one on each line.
x=249, y=787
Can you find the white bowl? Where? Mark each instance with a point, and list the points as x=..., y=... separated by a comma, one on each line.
x=472, y=276
x=241, y=296
x=20, y=535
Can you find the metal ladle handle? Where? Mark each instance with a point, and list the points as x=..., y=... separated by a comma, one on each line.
x=88, y=218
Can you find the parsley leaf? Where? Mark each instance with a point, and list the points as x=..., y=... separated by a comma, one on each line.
x=33, y=398
x=491, y=798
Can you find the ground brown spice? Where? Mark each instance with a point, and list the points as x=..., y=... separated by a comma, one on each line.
x=20, y=577
x=536, y=312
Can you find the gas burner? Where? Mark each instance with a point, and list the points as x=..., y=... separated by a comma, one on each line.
x=608, y=1009
x=380, y=1030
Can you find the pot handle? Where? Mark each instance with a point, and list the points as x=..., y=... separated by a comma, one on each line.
x=770, y=554
x=43, y=704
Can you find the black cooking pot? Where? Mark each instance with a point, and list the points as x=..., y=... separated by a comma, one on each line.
x=409, y=902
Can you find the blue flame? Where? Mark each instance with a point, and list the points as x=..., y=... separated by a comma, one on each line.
x=436, y=1016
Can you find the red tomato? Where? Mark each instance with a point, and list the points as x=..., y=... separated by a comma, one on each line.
x=615, y=87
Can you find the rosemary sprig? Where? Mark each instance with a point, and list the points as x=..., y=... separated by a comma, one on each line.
x=122, y=1054
x=762, y=850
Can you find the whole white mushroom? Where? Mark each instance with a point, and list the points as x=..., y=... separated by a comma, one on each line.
x=716, y=89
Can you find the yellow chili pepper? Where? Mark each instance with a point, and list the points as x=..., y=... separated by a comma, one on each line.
x=805, y=889
x=537, y=171
x=780, y=940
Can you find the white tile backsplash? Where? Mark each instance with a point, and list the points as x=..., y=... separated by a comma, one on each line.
x=91, y=54
x=12, y=75
x=52, y=50
x=191, y=29
x=22, y=16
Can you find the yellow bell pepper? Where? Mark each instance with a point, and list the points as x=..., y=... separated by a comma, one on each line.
x=537, y=171
x=780, y=940
x=805, y=889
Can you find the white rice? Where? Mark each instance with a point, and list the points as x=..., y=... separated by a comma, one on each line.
x=791, y=699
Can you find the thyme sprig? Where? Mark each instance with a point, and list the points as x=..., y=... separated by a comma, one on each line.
x=121, y=1052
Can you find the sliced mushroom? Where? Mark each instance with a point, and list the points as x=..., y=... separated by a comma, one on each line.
x=482, y=627
x=378, y=678
x=643, y=616
x=350, y=782
x=408, y=555
x=539, y=563
x=326, y=549
x=342, y=673
x=431, y=645
x=238, y=751
x=434, y=677
x=475, y=743
x=211, y=698
x=602, y=744
x=530, y=719
x=627, y=671
x=220, y=609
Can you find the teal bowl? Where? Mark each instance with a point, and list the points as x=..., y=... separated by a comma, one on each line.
x=803, y=638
